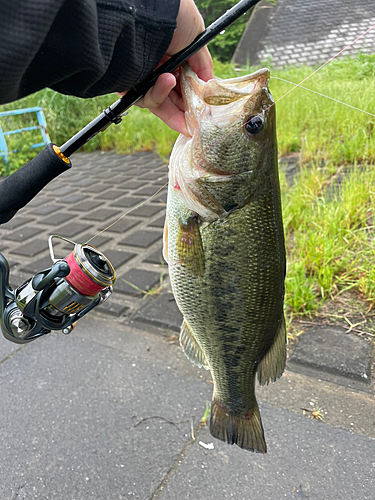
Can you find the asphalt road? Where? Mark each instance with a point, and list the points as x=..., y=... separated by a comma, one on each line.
x=106, y=414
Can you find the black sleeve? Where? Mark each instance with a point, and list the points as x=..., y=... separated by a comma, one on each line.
x=81, y=47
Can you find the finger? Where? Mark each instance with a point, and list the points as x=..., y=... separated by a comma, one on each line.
x=201, y=63
x=172, y=116
x=159, y=92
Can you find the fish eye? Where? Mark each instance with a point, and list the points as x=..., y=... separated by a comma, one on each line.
x=254, y=125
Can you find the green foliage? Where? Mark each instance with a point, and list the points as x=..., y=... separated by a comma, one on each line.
x=16, y=159
x=224, y=45
x=330, y=236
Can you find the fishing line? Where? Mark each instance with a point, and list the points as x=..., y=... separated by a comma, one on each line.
x=296, y=85
x=323, y=95
x=126, y=213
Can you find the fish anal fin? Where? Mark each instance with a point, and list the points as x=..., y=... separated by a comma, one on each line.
x=273, y=364
x=245, y=429
x=191, y=347
x=189, y=246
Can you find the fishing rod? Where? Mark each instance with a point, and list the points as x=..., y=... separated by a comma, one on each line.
x=56, y=298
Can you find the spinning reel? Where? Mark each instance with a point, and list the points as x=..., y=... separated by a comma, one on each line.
x=56, y=298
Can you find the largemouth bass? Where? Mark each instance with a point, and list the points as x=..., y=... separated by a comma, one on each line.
x=224, y=244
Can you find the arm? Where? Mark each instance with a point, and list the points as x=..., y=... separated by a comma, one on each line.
x=81, y=47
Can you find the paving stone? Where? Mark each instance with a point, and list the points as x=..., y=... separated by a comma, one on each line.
x=97, y=187
x=35, y=266
x=16, y=222
x=127, y=202
x=39, y=200
x=101, y=214
x=154, y=176
x=47, y=210
x=160, y=198
x=143, y=280
x=118, y=258
x=156, y=258
x=63, y=191
x=314, y=25
x=147, y=210
x=132, y=184
x=162, y=311
x=146, y=191
x=86, y=182
x=72, y=229
x=111, y=194
x=2, y=246
x=102, y=175
x=158, y=222
x=85, y=206
x=143, y=239
x=163, y=181
x=330, y=349
x=23, y=234
x=73, y=198
x=32, y=248
x=112, y=308
x=97, y=242
x=123, y=225
x=57, y=219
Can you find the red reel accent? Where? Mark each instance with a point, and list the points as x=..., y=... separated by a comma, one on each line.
x=79, y=280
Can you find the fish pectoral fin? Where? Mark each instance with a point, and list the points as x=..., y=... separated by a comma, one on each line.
x=244, y=429
x=273, y=364
x=189, y=246
x=191, y=347
x=165, y=241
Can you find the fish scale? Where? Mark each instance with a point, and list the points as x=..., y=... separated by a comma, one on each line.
x=224, y=244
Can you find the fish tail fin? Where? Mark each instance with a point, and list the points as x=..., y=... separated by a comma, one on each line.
x=244, y=430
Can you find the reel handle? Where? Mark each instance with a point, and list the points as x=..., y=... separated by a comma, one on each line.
x=58, y=270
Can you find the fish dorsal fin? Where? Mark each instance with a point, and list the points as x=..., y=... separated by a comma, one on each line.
x=273, y=364
x=191, y=348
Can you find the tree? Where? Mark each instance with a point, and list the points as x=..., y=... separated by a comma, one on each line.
x=224, y=45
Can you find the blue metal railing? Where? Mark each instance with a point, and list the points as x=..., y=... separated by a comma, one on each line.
x=42, y=126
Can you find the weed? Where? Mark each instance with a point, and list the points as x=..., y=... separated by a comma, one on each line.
x=207, y=412
x=152, y=291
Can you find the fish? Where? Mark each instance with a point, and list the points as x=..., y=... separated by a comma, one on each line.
x=224, y=245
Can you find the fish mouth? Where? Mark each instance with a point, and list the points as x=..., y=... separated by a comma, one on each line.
x=225, y=100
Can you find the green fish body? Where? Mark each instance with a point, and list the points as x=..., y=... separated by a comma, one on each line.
x=224, y=244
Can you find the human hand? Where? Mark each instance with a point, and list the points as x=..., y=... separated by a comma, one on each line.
x=164, y=99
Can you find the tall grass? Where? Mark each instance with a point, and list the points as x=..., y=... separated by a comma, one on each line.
x=329, y=229
x=330, y=234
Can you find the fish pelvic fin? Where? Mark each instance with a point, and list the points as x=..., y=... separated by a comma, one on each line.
x=245, y=430
x=191, y=347
x=273, y=364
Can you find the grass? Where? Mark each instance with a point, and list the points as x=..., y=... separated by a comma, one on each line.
x=330, y=235
x=329, y=229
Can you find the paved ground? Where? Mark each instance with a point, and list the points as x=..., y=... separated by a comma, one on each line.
x=107, y=412
x=300, y=32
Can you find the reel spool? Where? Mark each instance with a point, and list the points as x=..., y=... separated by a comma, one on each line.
x=57, y=297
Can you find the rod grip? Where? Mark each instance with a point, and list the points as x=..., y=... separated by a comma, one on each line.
x=23, y=185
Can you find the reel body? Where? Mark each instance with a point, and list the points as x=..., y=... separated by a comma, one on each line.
x=56, y=298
